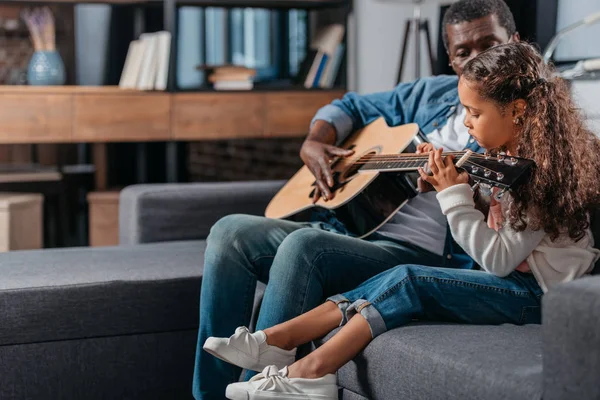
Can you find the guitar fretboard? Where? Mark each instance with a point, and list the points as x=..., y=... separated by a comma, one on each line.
x=399, y=162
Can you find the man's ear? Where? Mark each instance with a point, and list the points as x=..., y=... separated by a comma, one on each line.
x=515, y=38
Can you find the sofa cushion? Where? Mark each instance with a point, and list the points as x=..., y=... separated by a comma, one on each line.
x=448, y=361
x=93, y=292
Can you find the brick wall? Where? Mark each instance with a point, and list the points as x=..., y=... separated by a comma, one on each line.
x=248, y=159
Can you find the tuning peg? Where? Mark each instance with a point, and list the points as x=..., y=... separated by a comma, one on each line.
x=513, y=161
x=486, y=189
x=474, y=170
x=499, y=176
x=501, y=156
x=487, y=173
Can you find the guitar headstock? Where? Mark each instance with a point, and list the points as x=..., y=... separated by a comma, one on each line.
x=500, y=170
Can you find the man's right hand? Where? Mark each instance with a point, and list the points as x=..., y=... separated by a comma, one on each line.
x=318, y=156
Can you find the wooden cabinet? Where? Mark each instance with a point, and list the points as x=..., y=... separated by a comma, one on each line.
x=79, y=114
x=104, y=218
x=121, y=117
x=217, y=115
x=38, y=118
x=290, y=113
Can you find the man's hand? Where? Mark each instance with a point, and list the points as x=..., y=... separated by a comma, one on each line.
x=318, y=156
x=443, y=170
x=423, y=186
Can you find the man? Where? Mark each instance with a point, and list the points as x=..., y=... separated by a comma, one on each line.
x=305, y=263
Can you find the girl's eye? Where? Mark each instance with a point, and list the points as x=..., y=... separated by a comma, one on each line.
x=475, y=115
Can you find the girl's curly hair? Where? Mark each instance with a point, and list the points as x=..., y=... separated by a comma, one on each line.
x=565, y=184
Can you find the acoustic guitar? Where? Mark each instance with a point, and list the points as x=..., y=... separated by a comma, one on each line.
x=372, y=185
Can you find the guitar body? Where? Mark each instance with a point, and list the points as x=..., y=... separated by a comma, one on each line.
x=363, y=201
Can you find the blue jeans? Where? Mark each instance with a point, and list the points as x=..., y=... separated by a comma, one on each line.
x=416, y=292
x=301, y=263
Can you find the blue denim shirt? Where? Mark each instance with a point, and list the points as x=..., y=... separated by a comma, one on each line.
x=428, y=102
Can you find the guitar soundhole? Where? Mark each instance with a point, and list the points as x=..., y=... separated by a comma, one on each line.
x=351, y=172
x=340, y=178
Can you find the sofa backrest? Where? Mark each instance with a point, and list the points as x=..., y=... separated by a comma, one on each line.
x=596, y=231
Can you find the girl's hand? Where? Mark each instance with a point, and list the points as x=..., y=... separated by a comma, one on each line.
x=423, y=186
x=444, y=173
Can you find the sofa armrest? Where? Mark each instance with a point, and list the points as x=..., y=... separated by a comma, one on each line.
x=158, y=213
x=571, y=340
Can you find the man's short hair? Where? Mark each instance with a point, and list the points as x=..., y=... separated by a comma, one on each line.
x=470, y=10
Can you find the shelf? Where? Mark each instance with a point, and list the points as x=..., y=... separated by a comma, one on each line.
x=260, y=87
x=285, y=4
x=71, y=89
x=33, y=2
x=101, y=114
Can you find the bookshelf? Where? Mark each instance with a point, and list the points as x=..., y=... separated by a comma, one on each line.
x=170, y=22
x=285, y=4
x=313, y=6
x=92, y=115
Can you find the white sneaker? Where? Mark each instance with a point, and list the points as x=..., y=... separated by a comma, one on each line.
x=249, y=350
x=274, y=384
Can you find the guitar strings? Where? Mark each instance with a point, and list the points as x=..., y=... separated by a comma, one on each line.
x=402, y=158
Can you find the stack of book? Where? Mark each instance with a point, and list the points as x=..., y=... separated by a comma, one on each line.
x=147, y=62
x=322, y=63
x=230, y=77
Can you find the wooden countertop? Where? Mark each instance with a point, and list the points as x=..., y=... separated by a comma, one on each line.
x=71, y=114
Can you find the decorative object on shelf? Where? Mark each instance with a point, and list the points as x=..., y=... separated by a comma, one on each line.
x=416, y=25
x=46, y=67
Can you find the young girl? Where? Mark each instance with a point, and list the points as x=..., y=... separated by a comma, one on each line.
x=535, y=237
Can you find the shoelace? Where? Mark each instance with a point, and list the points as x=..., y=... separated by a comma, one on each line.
x=275, y=381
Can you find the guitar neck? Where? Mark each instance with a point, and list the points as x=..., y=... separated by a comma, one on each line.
x=401, y=162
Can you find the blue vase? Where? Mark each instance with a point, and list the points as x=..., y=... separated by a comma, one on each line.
x=46, y=68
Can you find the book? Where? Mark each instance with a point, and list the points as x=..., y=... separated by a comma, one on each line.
x=313, y=70
x=312, y=74
x=147, y=75
x=146, y=64
x=241, y=76
x=131, y=68
x=305, y=66
x=320, y=70
x=226, y=69
x=328, y=38
x=163, y=56
x=333, y=68
x=233, y=85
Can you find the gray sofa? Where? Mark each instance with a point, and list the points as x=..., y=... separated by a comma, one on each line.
x=120, y=323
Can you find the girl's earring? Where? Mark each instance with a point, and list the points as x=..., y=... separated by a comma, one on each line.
x=518, y=121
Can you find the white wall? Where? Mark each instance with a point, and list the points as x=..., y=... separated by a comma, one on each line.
x=380, y=28
x=582, y=43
